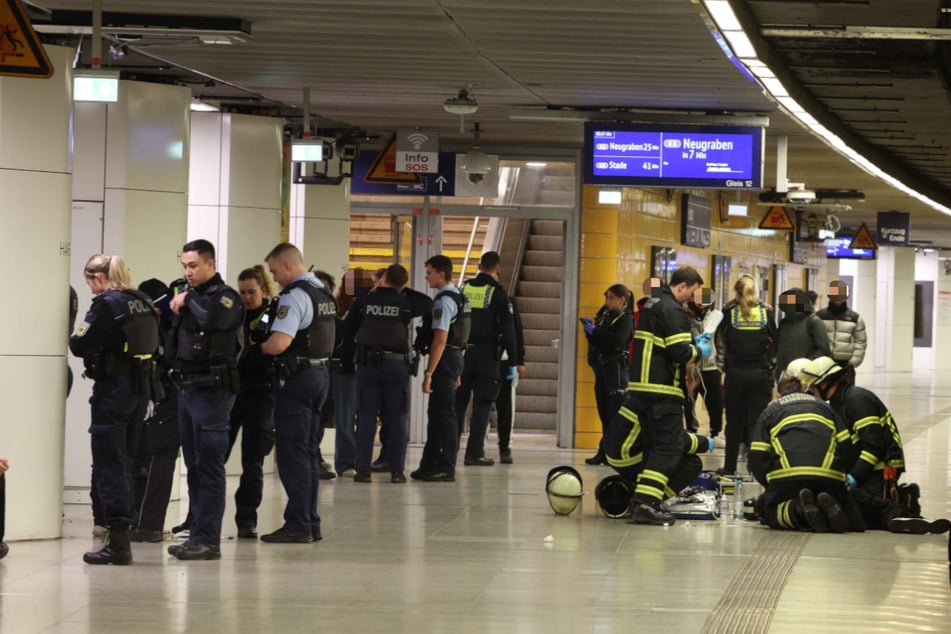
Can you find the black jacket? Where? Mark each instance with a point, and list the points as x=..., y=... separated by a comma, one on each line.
x=611, y=337
x=875, y=438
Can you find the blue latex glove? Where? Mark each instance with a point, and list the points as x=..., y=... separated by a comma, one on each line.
x=511, y=374
x=711, y=443
x=703, y=343
x=588, y=325
x=850, y=480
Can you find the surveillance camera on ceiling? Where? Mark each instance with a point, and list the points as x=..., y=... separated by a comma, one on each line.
x=476, y=162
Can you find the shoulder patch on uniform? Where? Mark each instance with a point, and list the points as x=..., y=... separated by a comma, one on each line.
x=227, y=302
x=83, y=327
x=437, y=313
x=282, y=312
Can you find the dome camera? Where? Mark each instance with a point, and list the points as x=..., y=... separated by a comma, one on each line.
x=476, y=166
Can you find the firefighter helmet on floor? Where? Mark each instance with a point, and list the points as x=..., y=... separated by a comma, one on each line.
x=564, y=488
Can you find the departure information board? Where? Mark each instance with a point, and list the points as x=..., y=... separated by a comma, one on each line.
x=712, y=157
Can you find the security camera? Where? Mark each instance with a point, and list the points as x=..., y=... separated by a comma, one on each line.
x=476, y=163
x=475, y=178
x=800, y=196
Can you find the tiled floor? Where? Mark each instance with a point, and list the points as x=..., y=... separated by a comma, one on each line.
x=472, y=557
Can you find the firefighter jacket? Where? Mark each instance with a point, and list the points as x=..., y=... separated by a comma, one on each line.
x=799, y=436
x=662, y=348
x=624, y=443
x=875, y=439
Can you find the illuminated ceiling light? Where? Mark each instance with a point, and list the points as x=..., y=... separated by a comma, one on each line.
x=197, y=105
x=535, y=164
x=609, y=196
x=740, y=43
x=775, y=87
x=722, y=14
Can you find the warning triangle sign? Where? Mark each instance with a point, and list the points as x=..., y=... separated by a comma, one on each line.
x=21, y=54
x=863, y=239
x=777, y=218
x=383, y=169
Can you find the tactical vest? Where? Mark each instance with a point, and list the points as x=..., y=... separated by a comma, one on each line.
x=383, y=326
x=484, y=330
x=136, y=318
x=748, y=339
x=197, y=347
x=254, y=367
x=317, y=340
x=461, y=325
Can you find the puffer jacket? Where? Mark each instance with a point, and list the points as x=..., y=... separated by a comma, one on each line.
x=847, y=337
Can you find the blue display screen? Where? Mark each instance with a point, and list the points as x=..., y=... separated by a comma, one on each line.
x=717, y=157
x=839, y=248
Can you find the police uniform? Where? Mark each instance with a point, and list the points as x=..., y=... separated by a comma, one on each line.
x=745, y=349
x=797, y=443
x=253, y=415
x=877, y=459
x=504, y=402
x=451, y=313
x=307, y=312
x=379, y=325
x=492, y=333
x=203, y=347
x=662, y=348
x=608, y=346
x=116, y=340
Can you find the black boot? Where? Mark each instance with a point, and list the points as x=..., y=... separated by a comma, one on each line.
x=116, y=551
x=597, y=459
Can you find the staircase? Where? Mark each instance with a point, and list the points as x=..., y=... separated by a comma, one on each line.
x=538, y=296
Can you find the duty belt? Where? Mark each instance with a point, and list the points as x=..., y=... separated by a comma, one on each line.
x=399, y=356
x=306, y=362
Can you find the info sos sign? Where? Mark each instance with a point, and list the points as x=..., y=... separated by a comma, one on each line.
x=417, y=151
x=418, y=162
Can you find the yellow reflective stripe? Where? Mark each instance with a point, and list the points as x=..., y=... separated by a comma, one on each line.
x=869, y=457
x=626, y=462
x=478, y=296
x=680, y=337
x=643, y=489
x=693, y=444
x=655, y=388
x=830, y=454
x=842, y=436
x=646, y=355
x=805, y=472
x=656, y=476
x=649, y=337
x=865, y=422
x=760, y=446
x=756, y=323
x=792, y=420
x=669, y=493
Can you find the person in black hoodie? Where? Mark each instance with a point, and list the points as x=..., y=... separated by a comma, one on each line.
x=253, y=411
x=609, y=338
x=801, y=333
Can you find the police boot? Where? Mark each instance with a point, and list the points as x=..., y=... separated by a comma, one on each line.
x=908, y=495
x=647, y=514
x=116, y=551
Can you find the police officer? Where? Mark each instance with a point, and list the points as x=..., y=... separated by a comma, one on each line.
x=449, y=332
x=662, y=347
x=609, y=337
x=504, y=403
x=745, y=347
x=492, y=334
x=253, y=411
x=203, y=347
x=301, y=340
x=116, y=341
x=798, y=451
x=379, y=325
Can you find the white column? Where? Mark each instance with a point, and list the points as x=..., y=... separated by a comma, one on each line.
x=320, y=225
x=942, y=322
x=894, y=335
x=130, y=190
x=235, y=187
x=35, y=183
x=863, y=301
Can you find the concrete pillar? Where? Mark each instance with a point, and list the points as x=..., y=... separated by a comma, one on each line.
x=35, y=184
x=942, y=322
x=320, y=225
x=864, y=302
x=894, y=333
x=130, y=187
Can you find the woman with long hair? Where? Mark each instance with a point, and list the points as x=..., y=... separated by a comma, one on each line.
x=609, y=338
x=116, y=341
x=745, y=345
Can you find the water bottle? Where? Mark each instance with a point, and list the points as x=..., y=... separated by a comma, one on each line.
x=738, y=498
x=724, y=507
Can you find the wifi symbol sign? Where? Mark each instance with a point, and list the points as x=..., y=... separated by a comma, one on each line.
x=417, y=139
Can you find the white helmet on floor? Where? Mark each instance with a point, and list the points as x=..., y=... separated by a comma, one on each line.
x=564, y=489
x=817, y=371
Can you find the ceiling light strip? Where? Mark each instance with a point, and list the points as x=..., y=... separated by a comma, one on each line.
x=728, y=25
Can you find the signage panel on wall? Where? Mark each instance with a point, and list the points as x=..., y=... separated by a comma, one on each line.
x=893, y=228
x=695, y=221
x=649, y=155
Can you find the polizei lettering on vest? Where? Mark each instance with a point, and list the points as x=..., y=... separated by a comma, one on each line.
x=326, y=308
x=137, y=306
x=383, y=311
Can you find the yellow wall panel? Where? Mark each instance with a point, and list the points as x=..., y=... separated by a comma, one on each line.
x=599, y=221
x=603, y=245
x=587, y=421
x=587, y=440
x=599, y=271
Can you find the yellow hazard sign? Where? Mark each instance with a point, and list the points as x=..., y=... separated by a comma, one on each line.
x=383, y=169
x=777, y=218
x=863, y=239
x=21, y=54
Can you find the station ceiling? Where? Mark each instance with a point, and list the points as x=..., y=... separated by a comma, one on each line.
x=876, y=72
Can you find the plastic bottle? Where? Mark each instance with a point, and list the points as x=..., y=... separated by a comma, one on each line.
x=724, y=506
x=738, y=498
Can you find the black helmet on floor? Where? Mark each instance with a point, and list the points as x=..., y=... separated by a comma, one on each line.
x=564, y=488
x=614, y=494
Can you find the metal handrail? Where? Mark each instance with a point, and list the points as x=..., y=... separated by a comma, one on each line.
x=465, y=260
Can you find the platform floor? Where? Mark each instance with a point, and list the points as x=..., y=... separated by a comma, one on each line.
x=472, y=557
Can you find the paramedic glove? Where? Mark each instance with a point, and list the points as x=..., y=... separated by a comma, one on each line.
x=512, y=373
x=588, y=325
x=850, y=480
x=711, y=443
x=703, y=343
